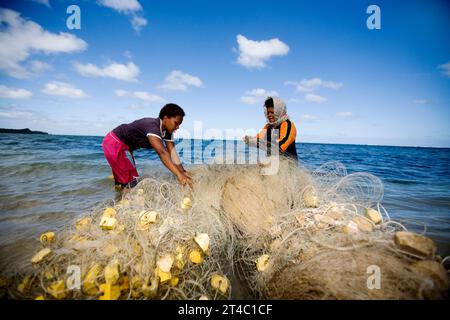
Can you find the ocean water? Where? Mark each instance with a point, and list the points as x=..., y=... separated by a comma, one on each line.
x=47, y=181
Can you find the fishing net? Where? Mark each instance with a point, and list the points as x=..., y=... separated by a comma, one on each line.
x=296, y=234
x=325, y=241
x=152, y=243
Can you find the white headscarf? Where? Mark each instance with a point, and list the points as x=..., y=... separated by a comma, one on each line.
x=280, y=111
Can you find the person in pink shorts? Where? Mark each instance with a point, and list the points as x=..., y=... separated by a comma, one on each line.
x=145, y=133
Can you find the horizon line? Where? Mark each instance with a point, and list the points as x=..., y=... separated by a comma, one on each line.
x=296, y=141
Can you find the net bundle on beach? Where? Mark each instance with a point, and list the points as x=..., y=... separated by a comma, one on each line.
x=159, y=241
x=322, y=234
x=295, y=234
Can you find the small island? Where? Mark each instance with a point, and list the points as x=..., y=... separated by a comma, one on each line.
x=26, y=131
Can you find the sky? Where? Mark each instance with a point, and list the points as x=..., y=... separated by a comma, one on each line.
x=341, y=81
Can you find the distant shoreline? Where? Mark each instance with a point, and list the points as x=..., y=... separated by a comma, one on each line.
x=300, y=142
x=24, y=131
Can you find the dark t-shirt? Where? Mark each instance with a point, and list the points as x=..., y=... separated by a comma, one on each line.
x=135, y=134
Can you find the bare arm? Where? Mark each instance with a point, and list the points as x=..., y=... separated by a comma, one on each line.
x=164, y=155
x=253, y=142
x=174, y=156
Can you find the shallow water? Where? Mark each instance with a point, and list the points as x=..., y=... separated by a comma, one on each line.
x=46, y=181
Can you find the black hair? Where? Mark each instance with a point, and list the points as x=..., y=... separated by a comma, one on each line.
x=268, y=103
x=171, y=110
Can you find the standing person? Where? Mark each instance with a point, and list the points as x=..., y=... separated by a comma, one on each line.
x=277, y=119
x=145, y=133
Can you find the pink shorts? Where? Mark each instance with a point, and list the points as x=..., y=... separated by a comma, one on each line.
x=115, y=153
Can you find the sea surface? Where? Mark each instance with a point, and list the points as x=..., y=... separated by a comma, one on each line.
x=47, y=181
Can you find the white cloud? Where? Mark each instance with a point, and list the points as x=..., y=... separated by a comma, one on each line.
x=294, y=100
x=346, y=115
x=420, y=101
x=121, y=93
x=256, y=95
x=131, y=8
x=56, y=88
x=310, y=85
x=16, y=115
x=254, y=54
x=142, y=95
x=309, y=118
x=10, y=93
x=125, y=72
x=445, y=68
x=138, y=23
x=122, y=6
x=21, y=38
x=315, y=98
x=44, y=2
x=179, y=81
x=37, y=66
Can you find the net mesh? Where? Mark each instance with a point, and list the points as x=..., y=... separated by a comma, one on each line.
x=297, y=234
